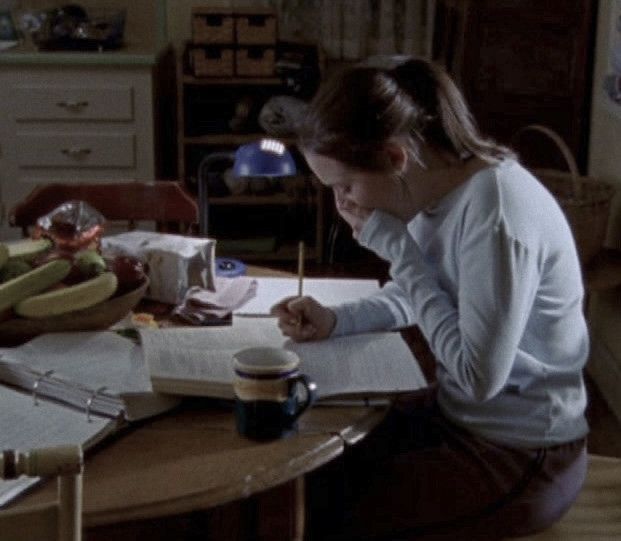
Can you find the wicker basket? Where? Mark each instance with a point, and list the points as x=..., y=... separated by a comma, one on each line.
x=585, y=200
x=211, y=25
x=256, y=27
x=212, y=61
x=255, y=62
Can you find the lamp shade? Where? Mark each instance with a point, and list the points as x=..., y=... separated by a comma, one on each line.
x=264, y=158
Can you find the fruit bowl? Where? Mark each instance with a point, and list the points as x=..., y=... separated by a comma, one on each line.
x=98, y=317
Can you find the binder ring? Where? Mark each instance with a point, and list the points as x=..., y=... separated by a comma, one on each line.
x=89, y=402
x=35, y=385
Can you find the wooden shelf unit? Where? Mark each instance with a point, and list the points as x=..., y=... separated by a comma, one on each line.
x=193, y=142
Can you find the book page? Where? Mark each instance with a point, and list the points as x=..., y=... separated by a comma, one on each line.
x=327, y=291
x=24, y=425
x=203, y=356
x=190, y=361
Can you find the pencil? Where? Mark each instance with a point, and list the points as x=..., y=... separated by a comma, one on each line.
x=300, y=277
x=300, y=268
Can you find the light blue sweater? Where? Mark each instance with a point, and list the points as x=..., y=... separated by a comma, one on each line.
x=492, y=278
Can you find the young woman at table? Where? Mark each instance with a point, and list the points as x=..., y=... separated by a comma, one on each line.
x=482, y=260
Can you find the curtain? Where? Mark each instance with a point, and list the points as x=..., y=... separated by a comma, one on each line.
x=355, y=29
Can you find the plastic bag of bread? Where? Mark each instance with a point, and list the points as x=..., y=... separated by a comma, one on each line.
x=174, y=263
x=72, y=226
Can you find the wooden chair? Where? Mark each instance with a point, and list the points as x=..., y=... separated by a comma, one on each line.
x=60, y=520
x=596, y=514
x=164, y=202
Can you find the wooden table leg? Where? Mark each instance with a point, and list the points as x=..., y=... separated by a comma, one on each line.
x=280, y=512
x=299, y=508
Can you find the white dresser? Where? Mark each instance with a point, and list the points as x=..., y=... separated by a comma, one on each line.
x=73, y=117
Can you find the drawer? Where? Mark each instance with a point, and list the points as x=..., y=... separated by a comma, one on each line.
x=76, y=150
x=212, y=25
x=64, y=102
x=256, y=28
x=212, y=61
x=255, y=61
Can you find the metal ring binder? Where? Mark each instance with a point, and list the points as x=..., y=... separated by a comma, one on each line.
x=89, y=402
x=35, y=385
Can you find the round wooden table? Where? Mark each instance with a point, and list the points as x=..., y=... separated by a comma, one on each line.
x=192, y=459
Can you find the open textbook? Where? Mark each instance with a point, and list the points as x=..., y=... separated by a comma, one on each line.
x=71, y=388
x=189, y=361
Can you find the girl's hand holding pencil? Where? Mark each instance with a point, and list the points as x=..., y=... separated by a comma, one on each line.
x=303, y=318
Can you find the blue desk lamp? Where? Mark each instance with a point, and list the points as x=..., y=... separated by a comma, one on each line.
x=266, y=158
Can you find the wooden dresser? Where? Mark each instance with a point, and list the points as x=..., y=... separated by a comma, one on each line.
x=74, y=117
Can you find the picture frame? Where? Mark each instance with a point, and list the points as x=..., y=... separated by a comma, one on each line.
x=8, y=32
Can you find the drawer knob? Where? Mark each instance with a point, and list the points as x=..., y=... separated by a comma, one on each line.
x=76, y=152
x=72, y=105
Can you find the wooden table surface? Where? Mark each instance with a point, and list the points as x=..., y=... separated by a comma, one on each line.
x=192, y=459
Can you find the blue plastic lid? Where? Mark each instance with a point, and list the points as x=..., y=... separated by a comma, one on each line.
x=229, y=268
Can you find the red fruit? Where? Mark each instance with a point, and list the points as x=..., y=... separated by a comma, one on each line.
x=129, y=272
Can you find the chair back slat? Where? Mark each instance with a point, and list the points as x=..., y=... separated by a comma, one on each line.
x=166, y=203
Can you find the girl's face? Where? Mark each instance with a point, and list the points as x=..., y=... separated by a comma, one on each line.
x=355, y=188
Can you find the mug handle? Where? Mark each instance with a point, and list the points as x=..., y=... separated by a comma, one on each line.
x=311, y=392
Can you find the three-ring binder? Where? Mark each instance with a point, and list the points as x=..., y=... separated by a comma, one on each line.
x=89, y=402
x=35, y=385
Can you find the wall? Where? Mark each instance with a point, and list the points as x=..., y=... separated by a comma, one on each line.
x=605, y=163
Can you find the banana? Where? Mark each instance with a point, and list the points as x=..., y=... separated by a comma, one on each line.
x=68, y=299
x=32, y=282
x=27, y=249
x=4, y=254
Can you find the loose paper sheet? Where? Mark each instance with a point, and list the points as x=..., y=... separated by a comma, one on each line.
x=327, y=291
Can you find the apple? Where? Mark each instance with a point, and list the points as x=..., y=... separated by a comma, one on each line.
x=130, y=272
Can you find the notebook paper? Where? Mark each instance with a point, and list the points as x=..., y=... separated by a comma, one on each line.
x=327, y=291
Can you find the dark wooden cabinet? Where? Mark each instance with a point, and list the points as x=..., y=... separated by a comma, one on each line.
x=523, y=62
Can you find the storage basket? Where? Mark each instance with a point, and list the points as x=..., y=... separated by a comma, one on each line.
x=585, y=200
x=212, y=26
x=255, y=62
x=255, y=28
x=212, y=61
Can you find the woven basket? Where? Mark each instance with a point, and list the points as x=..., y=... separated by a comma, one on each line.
x=585, y=200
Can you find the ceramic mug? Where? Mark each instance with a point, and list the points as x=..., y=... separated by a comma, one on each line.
x=267, y=399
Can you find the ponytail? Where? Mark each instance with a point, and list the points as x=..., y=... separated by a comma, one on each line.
x=450, y=124
x=355, y=113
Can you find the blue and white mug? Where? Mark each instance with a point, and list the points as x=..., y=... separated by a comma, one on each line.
x=267, y=398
